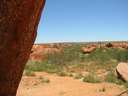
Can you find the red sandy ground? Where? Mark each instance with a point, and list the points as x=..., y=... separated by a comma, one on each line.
x=64, y=86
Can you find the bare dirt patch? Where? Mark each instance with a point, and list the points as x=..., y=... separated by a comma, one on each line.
x=64, y=86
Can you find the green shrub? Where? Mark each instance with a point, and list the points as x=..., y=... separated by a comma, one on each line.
x=44, y=80
x=91, y=78
x=29, y=73
x=72, y=58
x=123, y=56
x=125, y=84
x=62, y=73
x=42, y=66
x=102, y=90
x=67, y=56
x=78, y=76
x=110, y=77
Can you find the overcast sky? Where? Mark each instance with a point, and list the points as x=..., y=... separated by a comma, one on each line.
x=83, y=20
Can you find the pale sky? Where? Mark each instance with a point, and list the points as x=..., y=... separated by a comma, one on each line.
x=83, y=21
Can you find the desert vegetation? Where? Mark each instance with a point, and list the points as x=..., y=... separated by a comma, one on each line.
x=73, y=69
x=94, y=67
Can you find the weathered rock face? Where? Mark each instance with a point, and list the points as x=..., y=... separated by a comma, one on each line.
x=40, y=51
x=122, y=71
x=18, y=24
x=88, y=49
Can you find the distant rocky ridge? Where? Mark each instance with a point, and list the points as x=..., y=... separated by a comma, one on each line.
x=39, y=51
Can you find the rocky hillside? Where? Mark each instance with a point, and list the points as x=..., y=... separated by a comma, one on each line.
x=39, y=51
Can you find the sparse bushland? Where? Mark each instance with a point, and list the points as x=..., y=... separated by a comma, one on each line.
x=78, y=76
x=111, y=78
x=102, y=90
x=44, y=80
x=29, y=73
x=72, y=60
x=61, y=73
x=91, y=78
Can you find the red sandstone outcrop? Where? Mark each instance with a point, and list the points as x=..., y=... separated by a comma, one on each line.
x=88, y=49
x=122, y=71
x=40, y=51
x=18, y=26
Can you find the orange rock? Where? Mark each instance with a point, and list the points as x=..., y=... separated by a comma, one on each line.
x=122, y=71
x=88, y=49
x=40, y=51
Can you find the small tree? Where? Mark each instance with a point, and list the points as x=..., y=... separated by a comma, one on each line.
x=109, y=45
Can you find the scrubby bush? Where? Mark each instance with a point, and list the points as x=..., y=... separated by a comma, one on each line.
x=42, y=66
x=44, y=80
x=78, y=76
x=91, y=78
x=29, y=73
x=112, y=78
x=67, y=56
x=72, y=58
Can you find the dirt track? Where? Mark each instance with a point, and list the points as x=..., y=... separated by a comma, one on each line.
x=64, y=86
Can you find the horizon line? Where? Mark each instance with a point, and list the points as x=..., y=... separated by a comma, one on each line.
x=81, y=41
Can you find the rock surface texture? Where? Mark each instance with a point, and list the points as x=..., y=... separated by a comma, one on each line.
x=18, y=25
x=41, y=51
x=122, y=71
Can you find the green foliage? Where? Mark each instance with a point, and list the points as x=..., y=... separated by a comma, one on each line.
x=104, y=55
x=107, y=58
x=112, y=78
x=44, y=80
x=125, y=84
x=109, y=45
x=29, y=73
x=62, y=73
x=102, y=90
x=91, y=78
x=73, y=58
x=122, y=56
x=78, y=76
x=42, y=66
x=67, y=56
x=57, y=62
